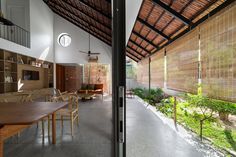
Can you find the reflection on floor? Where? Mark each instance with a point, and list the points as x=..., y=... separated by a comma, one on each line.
x=148, y=136
x=92, y=137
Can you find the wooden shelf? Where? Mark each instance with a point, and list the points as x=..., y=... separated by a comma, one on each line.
x=10, y=82
x=9, y=66
x=9, y=61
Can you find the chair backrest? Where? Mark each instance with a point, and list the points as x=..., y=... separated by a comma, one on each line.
x=3, y=100
x=55, y=99
x=26, y=98
x=73, y=102
x=22, y=97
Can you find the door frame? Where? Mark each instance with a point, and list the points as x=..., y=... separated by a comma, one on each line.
x=119, y=77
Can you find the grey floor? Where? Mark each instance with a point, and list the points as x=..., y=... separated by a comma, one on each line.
x=92, y=136
x=147, y=136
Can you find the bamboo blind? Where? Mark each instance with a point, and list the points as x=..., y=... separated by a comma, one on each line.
x=218, y=51
x=157, y=69
x=143, y=72
x=182, y=63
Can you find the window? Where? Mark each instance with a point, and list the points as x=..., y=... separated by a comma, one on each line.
x=64, y=40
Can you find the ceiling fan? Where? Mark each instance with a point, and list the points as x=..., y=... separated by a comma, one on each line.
x=89, y=53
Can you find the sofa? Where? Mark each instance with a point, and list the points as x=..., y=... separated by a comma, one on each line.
x=91, y=89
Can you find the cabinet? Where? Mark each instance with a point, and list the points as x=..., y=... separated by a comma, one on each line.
x=8, y=71
x=9, y=62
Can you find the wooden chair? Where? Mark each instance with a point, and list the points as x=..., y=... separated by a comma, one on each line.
x=22, y=97
x=64, y=96
x=72, y=112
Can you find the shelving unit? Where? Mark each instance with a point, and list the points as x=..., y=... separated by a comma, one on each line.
x=9, y=62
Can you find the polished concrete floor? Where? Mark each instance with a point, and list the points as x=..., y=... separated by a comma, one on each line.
x=147, y=136
x=92, y=137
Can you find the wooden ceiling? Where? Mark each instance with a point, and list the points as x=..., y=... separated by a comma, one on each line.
x=159, y=22
x=93, y=16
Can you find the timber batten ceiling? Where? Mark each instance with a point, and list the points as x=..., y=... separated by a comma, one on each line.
x=160, y=22
x=93, y=16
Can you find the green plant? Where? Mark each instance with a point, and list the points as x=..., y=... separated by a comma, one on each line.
x=224, y=108
x=206, y=108
x=151, y=96
x=189, y=115
x=166, y=106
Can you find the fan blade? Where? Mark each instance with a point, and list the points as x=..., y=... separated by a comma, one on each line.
x=83, y=52
x=95, y=53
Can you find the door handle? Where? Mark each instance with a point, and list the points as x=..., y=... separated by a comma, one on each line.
x=121, y=113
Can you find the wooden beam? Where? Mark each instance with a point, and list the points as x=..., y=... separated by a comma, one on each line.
x=131, y=57
x=143, y=38
x=133, y=54
x=140, y=46
x=135, y=51
x=172, y=12
x=153, y=28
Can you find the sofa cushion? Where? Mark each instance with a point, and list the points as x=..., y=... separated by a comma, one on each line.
x=84, y=87
x=90, y=86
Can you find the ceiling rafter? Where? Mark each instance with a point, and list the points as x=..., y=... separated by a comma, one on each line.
x=89, y=23
x=140, y=46
x=172, y=12
x=181, y=11
x=133, y=55
x=131, y=58
x=143, y=38
x=146, y=20
x=94, y=8
x=153, y=28
x=82, y=27
x=135, y=51
x=82, y=12
x=204, y=18
x=206, y=7
x=159, y=18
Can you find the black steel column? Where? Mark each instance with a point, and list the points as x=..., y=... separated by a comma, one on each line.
x=149, y=74
x=118, y=75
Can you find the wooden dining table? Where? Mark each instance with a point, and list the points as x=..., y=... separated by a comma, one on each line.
x=17, y=116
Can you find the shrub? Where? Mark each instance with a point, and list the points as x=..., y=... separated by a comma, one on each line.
x=152, y=97
x=166, y=106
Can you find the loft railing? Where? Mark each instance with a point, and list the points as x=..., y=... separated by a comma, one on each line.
x=15, y=34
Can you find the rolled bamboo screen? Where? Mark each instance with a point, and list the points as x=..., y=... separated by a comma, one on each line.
x=218, y=53
x=182, y=63
x=157, y=69
x=143, y=73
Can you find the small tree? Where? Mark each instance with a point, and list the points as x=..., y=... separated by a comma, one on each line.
x=224, y=108
x=205, y=106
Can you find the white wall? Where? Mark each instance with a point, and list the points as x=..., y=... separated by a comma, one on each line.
x=41, y=33
x=132, y=9
x=80, y=41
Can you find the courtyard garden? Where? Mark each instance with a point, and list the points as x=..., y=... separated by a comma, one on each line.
x=212, y=120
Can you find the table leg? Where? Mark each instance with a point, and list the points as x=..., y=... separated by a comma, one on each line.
x=53, y=128
x=1, y=142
